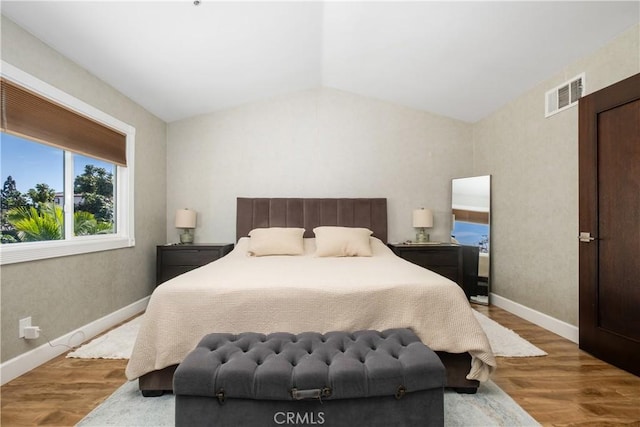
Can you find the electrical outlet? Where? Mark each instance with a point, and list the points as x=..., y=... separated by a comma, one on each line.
x=23, y=323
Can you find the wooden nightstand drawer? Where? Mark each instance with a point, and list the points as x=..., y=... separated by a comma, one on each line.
x=448, y=272
x=190, y=257
x=171, y=271
x=173, y=260
x=432, y=258
x=444, y=259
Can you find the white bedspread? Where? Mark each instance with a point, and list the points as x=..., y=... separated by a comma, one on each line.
x=295, y=294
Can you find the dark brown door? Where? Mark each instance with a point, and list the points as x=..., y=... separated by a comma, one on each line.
x=609, y=163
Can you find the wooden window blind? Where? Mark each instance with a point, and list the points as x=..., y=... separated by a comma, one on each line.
x=471, y=216
x=27, y=114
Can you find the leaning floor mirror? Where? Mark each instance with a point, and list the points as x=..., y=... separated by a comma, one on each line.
x=471, y=228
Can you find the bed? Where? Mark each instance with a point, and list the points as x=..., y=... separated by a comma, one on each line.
x=240, y=293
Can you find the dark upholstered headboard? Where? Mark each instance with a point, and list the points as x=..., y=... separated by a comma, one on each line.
x=309, y=213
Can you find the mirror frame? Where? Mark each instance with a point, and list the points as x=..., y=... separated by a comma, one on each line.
x=476, y=209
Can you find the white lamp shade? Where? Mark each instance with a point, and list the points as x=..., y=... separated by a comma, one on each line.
x=422, y=218
x=185, y=218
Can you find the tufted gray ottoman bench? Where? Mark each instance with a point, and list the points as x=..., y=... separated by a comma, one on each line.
x=366, y=378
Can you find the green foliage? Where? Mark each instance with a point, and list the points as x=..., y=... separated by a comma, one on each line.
x=10, y=197
x=33, y=225
x=42, y=194
x=8, y=238
x=98, y=205
x=95, y=186
x=85, y=224
x=42, y=219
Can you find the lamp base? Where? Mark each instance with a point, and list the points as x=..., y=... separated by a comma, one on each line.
x=186, y=237
x=421, y=236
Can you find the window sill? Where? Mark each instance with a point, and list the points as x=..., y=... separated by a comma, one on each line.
x=23, y=252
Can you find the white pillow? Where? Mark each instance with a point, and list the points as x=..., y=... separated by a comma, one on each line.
x=276, y=241
x=342, y=241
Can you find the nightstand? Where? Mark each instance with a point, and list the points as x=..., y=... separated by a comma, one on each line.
x=443, y=258
x=173, y=260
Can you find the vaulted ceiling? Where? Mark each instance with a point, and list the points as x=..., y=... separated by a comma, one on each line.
x=459, y=59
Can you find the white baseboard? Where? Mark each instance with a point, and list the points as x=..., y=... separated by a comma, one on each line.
x=25, y=362
x=552, y=324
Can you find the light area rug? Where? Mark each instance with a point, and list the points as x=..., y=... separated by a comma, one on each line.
x=504, y=342
x=490, y=406
x=115, y=344
x=118, y=343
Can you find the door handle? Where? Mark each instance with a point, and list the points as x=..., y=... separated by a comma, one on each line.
x=586, y=237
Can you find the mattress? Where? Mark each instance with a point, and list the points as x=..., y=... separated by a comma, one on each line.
x=239, y=293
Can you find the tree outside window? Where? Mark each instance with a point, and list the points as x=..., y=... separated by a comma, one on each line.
x=37, y=213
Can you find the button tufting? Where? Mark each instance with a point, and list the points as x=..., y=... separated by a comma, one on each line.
x=354, y=355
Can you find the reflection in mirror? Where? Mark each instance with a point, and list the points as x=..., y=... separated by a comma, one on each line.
x=471, y=208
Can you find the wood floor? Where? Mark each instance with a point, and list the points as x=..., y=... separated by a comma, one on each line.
x=566, y=388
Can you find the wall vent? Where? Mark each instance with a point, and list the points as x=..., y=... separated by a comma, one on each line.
x=564, y=96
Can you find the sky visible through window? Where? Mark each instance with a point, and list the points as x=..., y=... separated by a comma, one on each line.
x=471, y=234
x=30, y=163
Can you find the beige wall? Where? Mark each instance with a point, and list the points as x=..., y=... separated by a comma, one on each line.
x=534, y=163
x=318, y=143
x=62, y=294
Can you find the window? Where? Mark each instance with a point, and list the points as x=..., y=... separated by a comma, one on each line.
x=33, y=194
x=67, y=173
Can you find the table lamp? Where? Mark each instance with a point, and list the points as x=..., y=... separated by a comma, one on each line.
x=422, y=218
x=186, y=219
